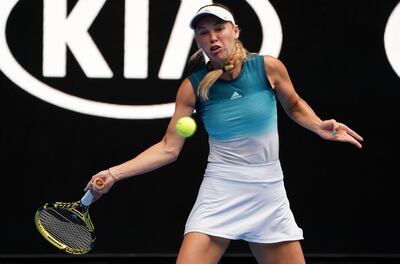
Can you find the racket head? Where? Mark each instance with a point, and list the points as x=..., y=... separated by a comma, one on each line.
x=67, y=226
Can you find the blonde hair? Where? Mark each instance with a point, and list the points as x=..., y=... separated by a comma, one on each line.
x=212, y=76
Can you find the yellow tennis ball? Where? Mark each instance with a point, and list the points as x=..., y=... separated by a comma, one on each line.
x=186, y=126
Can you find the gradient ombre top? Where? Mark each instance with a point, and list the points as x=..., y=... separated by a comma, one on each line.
x=240, y=116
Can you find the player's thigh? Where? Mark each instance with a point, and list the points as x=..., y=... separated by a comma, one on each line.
x=278, y=253
x=201, y=248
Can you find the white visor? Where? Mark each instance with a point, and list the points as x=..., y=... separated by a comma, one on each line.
x=217, y=11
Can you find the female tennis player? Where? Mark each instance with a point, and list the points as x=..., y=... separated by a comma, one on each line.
x=242, y=195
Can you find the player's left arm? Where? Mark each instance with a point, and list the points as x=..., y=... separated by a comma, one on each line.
x=298, y=109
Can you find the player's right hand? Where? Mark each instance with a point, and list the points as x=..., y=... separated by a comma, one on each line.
x=108, y=180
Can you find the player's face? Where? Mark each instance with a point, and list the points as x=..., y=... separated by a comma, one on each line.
x=217, y=38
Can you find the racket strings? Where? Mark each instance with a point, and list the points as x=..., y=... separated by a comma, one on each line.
x=66, y=227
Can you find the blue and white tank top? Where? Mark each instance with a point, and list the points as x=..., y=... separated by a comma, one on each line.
x=240, y=116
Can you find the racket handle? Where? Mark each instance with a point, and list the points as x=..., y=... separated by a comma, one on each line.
x=87, y=199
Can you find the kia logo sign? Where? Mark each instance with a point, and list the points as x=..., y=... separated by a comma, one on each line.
x=62, y=31
x=392, y=39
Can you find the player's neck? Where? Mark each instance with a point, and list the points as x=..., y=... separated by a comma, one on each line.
x=232, y=74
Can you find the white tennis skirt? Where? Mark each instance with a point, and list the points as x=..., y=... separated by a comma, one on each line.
x=244, y=202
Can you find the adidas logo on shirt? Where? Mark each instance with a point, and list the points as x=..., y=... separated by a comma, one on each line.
x=235, y=95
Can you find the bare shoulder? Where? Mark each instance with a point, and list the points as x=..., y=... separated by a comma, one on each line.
x=275, y=70
x=186, y=86
x=272, y=64
x=186, y=94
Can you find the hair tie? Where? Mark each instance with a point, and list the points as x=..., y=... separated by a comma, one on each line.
x=112, y=175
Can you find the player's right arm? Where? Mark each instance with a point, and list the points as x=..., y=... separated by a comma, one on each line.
x=161, y=153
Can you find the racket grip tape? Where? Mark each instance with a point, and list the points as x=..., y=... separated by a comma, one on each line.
x=87, y=199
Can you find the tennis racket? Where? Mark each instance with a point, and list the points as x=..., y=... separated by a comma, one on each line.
x=67, y=225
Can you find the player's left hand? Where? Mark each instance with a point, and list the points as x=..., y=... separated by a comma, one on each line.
x=333, y=130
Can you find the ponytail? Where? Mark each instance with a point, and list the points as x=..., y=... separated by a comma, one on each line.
x=212, y=76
